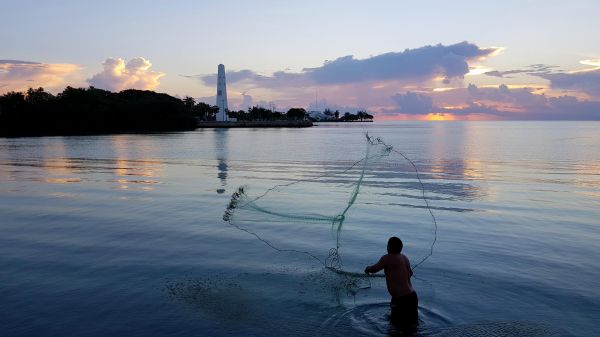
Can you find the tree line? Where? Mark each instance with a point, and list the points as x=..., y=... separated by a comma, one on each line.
x=80, y=111
x=360, y=115
x=90, y=110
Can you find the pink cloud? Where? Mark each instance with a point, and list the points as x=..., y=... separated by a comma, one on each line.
x=118, y=75
x=17, y=75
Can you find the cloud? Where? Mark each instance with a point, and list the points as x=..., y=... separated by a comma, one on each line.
x=19, y=75
x=118, y=75
x=413, y=104
x=534, y=69
x=252, y=79
x=411, y=65
x=587, y=81
x=592, y=62
x=247, y=101
x=503, y=102
x=407, y=85
x=523, y=98
x=418, y=64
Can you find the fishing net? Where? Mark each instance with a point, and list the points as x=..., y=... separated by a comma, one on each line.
x=310, y=212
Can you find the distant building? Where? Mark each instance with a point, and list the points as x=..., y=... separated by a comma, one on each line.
x=319, y=116
x=221, y=95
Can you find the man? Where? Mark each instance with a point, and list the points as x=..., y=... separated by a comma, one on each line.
x=397, y=277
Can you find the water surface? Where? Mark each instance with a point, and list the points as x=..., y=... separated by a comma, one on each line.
x=123, y=234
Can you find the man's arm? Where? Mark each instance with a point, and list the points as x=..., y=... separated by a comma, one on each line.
x=376, y=267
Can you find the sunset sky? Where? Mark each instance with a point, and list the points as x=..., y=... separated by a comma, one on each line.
x=473, y=60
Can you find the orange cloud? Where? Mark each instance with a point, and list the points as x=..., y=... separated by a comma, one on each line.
x=118, y=75
x=16, y=75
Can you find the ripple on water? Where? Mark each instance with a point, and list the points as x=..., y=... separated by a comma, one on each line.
x=373, y=320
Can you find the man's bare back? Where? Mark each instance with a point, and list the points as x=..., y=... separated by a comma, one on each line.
x=397, y=273
x=404, y=303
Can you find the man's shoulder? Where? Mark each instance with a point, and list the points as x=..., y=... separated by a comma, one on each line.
x=405, y=258
x=385, y=257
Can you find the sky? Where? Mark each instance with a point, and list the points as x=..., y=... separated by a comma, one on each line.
x=405, y=60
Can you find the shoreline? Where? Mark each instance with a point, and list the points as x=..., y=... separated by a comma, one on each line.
x=254, y=124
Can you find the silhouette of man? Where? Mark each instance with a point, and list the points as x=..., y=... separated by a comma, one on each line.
x=397, y=270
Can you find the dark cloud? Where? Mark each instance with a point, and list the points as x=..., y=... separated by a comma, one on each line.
x=534, y=69
x=253, y=79
x=523, y=104
x=413, y=103
x=521, y=97
x=418, y=64
x=587, y=81
x=584, y=81
x=411, y=65
x=557, y=108
x=497, y=73
x=16, y=62
x=499, y=102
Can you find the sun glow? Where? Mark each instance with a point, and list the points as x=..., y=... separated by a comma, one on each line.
x=440, y=117
x=477, y=70
x=443, y=89
x=592, y=62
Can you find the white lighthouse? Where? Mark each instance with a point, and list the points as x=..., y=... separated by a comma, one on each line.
x=221, y=95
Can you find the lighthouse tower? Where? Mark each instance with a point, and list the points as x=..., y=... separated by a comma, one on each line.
x=221, y=95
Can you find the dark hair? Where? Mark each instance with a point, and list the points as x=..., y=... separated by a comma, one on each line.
x=394, y=245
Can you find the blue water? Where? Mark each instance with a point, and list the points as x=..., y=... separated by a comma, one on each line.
x=123, y=235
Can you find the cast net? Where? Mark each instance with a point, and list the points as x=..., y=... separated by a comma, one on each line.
x=324, y=212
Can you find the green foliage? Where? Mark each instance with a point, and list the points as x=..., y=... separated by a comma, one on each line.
x=205, y=112
x=257, y=113
x=296, y=113
x=359, y=116
x=92, y=111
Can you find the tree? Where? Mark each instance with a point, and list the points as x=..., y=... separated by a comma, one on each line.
x=12, y=101
x=241, y=115
x=91, y=111
x=337, y=114
x=189, y=102
x=296, y=113
x=38, y=96
x=260, y=113
x=205, y=111
x=360, y=115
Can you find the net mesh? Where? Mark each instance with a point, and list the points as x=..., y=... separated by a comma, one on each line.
x=307, y=215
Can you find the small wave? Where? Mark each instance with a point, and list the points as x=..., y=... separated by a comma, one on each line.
x=373, y=320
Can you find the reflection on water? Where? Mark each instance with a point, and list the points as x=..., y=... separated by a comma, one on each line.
x=100, y=234
x=130, y=168
x=220, y=146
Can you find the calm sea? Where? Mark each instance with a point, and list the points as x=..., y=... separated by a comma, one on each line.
x=122, y=235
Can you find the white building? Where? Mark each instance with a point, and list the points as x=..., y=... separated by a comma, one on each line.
x=221, y=95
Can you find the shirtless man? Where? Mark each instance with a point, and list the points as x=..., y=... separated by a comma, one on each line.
x=397, y=277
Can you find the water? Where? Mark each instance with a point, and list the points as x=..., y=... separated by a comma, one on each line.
x=122, y=235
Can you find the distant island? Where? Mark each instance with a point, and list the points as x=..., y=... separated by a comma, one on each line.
x=88, y=111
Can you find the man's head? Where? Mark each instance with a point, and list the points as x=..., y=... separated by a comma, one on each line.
x=394, y=245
